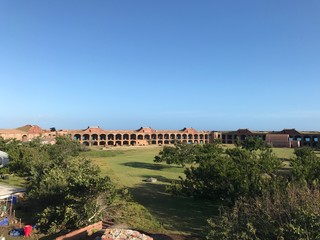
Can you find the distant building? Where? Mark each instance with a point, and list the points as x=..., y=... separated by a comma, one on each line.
x=95, y=136
x=285, y=138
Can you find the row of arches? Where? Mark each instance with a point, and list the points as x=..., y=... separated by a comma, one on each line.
x=133, y=143
x=130, y=137
x=122, y=139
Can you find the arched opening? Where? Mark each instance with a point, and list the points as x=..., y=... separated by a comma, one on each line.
x=133, y=137
x=77, y=137
x=243, y=137
x=147, y=137
x=95, y=143
x=160, y=136
x=102, y=143
x=172, y=141
x=118, y=143
x=125, y=136
x=110, y=143
x=153, y=136
x=172, y=136
x=196, y=141
x=201, y=136
x=103, y=137
x=179, y=136
x=94, y=137
x=190, y=136
x=133, y=143
x=184, y=136
x=190, y=142
x=196, y=136
x=110, y=137
x=125, y=142
x=154, y=142
x=24, y=138
x=140, y=137
x=85, y=137
x=86, y=143
x=206, y=136
x=166, y=141
x=160, y=142
x=166, y=136
x=118, y=137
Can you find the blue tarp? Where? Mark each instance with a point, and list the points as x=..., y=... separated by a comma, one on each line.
x=4, y=222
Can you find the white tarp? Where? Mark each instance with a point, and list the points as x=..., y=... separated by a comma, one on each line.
x=4, y=159
x=7, y=191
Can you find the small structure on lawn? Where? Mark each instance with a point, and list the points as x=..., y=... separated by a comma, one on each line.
x=4, y=159
x=151, y=179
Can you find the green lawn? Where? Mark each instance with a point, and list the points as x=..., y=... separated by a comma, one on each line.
x=130, y=167
x=13, y=180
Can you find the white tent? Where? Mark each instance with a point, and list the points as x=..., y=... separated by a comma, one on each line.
x=4, y=159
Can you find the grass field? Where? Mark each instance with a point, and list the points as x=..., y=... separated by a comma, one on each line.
x=130, y=167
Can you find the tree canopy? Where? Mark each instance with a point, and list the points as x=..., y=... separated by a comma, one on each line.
x=65, y=191
x=218, y=173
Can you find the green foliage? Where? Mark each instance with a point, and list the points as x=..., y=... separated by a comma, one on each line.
x=289, y=213
x=180, y=154
x=63, y=191
x=306, y=166
x=228, y=175
x=252, y=144
x=64, y=147
x=183, y=153
x=69, y=194
x=23, y=155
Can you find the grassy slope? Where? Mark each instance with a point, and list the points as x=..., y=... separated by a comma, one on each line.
x=130, y=167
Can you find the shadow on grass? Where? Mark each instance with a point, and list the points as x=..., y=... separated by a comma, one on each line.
x=151, y=166
x=176, y=213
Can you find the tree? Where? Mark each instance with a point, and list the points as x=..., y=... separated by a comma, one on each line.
x=226, y=175
x=64, y=192
x=183, y=153
x=306, y=166
x=289, y=213
x=252, y=144
x=70, y=194
x=180, y=154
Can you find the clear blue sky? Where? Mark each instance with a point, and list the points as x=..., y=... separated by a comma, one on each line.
x=169, y=64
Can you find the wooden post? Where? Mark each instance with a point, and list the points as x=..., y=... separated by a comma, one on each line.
x=11, y=206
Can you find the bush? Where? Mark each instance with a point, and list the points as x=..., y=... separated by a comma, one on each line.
x=292, y=213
